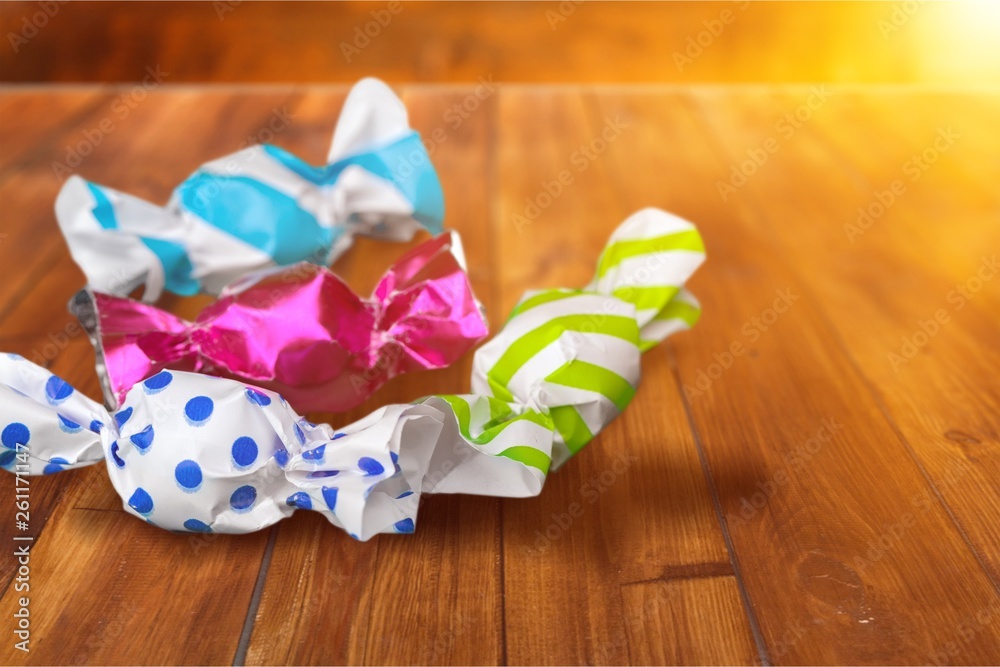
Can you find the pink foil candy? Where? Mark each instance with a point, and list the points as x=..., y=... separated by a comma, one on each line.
x=299, y=331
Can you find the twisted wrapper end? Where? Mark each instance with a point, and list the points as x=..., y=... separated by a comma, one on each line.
x=197, y=453
x=132, y=341
x=46, y=425
x=574, y=355
x=188, y=452
x=259, y=207
x=340, y=349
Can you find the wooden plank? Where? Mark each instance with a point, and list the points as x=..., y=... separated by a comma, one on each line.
x=809, y=472
x=667, y=622
x=526, y=41
x=112, y=579
x=871, y=545
x=27, y=118
x=434, y=596
x=72, y=359
x=134, y=159
x=634, y=504
x=153, y=583
x=941, y=391
x=38, y=132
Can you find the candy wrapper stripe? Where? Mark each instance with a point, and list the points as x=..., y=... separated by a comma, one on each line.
x=259, y=207
x=191, y=452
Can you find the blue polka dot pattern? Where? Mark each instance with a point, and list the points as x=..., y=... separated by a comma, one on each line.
x=119, y=461
x=244, y=452
x=257, y=397
x=143, y=439
x=196, y=526
x=281, y=456
x=404, y=526
x=157, y=383
x=330, y=497
x=122, y=417
x=243, y=498
x=141, y=502
x=198, y=410
x=188, y=475
x=241, y=470
x=315, y=454
x=14, y=434
x=370, y=466
x=55, y=465
x=300, y=500
x=56, y=390
x=68, y=426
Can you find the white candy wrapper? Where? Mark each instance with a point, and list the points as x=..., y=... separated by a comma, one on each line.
x=190, y=452
x=259, y=207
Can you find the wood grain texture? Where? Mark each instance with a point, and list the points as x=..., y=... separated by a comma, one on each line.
x=585, y=529
x=804, y=426
x=435, y=598
x=903, y=329
x=147, y=578
x=797, y=501
x=447, y=42
x=668, y=622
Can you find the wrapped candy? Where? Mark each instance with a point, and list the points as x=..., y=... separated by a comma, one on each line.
x=259, y=207
x=191, y=452
x=299, y=331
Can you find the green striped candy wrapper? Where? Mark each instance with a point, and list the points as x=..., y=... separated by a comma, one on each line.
x=567, y=361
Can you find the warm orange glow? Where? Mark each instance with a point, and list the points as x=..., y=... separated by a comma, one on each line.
x=957, y=37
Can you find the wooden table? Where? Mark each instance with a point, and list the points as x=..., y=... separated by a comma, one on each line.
x=811, y=473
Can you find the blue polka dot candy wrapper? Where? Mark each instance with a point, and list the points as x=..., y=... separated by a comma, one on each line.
x=191, y=452
x=260, y=207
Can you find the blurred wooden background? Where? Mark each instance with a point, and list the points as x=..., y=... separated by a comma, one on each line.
x=572, y=41
x=815, y=504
